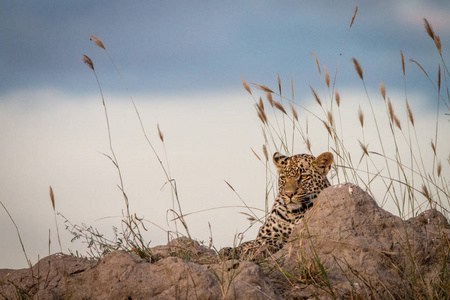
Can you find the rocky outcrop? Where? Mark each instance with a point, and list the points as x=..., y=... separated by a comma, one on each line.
x=121, y=275
x=366, y=251
x=347, y=247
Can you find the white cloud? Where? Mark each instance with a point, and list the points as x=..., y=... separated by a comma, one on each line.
x=59, y=143
x=412, y=14
x=58, y=140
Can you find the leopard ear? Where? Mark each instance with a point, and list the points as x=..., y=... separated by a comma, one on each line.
x=279, y=160
x=323, y=162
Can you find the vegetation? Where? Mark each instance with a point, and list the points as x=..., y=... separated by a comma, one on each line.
x=392, y=168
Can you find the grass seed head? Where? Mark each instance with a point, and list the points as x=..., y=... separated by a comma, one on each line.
x=330, y=118
x=439, y=169
x=428, y=28
x=230, y=186
x=246, y=87
x=257, y=156
x=52, y=198
x=364, y=148
x=327, y=127
x=97, y=41
x=87, y=61
x=354, y=15
x=161, y=136
x=410, y=114
x=425, y=191
x=383, y=90
x=279, y=84
x=308, y=144
x=317, y=62
x=327, y=76
x=266, y=155
x=403, y=62
x=261, y=114
x=358, y=68
x=437, y=42
x=294, y=112
x=261, y=104
x=433, y=147
x=279, y=107
x=423, y=70
x=264, y=135
x=315, y=95
x=264, y=88
x=390, y=110
x=270, y=99
x=337, y=97
x=361, y=116
x=249, y=217
x=397, y=122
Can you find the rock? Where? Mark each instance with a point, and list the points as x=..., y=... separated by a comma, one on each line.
x=365, y=250
x=121, y=275
x=347, y=247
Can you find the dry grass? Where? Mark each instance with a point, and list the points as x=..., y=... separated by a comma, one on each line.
x=358, y=68
x=52, y=198
x=398, y=167
x=407, y=181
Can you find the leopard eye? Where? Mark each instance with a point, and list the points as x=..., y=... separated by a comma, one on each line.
x=304, y=176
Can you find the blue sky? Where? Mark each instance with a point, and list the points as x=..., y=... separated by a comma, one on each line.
x=183, y=62
x=178, y=46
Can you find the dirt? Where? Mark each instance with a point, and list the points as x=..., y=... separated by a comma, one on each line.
x=347, y=247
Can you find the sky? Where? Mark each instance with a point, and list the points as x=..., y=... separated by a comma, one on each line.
x=182, y=63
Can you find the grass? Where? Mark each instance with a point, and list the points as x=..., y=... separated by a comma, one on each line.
x=403, y=173
x=391, y=168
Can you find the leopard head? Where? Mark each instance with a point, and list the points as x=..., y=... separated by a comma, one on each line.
x=302, y=177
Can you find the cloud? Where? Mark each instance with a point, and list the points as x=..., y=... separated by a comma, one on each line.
x=60, y=144
x=160, y=46
x=186, y=62
x=437, y=14
x=208, y=138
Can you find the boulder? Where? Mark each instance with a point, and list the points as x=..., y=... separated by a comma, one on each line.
x=121, y=275
x=346, y=247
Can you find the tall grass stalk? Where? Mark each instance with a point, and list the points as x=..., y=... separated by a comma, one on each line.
x=18, y=235
x=401, y=172
x=52, y=198
x=410, y=184
x=113, y=159
x=132, y=225
x=166, y=171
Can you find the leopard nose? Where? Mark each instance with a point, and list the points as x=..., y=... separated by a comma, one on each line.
x=289, y=194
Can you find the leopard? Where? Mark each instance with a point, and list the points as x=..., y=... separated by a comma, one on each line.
x=301, y=178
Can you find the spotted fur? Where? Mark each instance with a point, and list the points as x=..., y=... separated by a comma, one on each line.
x=300, y=180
